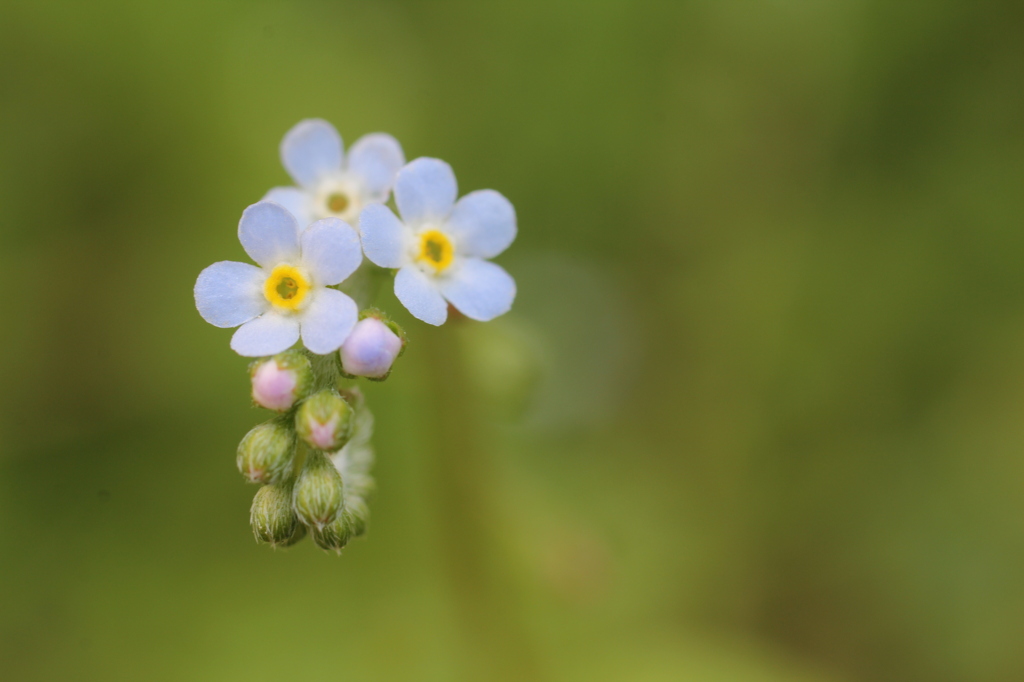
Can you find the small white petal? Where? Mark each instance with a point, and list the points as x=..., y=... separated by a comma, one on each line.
x=229, y=293
x=419, y=294
x=385, y=238
x=328, y=321
x=293, y=199
x=269, y=234
x=425, y=191
x=483, y=223
x=480, y=290
x=376, y=159
x=330, y=251
x=268, y=334
x=311, y=150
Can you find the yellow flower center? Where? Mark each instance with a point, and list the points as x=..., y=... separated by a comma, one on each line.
x=337, y=202
x=286, y=287
x=436, y=250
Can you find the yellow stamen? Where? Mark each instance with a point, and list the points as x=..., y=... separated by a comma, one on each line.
x=436, y=250
x=286, y=287
x=337, y=202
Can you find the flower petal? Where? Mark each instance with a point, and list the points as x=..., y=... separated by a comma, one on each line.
x=425, y=191
x=385, y=238
x=376, y=159
x=328, y=321
x=229, y=293
x=419, y=294
x=269, y=234
x=330, y=251
x=311, y=150
x=480, y=290
x=293, y=199
x=483, y=223
x=268, y=334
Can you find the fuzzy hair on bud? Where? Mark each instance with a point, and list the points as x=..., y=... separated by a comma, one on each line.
x=324, y=420
x=281, y=381
x=319, y=492
x=372, y=347
x=335, y=535
x=267, y=453
x=272, y=518
x=350, y=524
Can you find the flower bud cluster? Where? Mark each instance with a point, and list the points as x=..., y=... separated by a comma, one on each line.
x=313, y=459
x=353, y=463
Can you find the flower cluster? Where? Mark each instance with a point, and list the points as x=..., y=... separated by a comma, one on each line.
x=304, y=311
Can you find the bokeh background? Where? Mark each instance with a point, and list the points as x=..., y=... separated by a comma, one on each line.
x=756, y=415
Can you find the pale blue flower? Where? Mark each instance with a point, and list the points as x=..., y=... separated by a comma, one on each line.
x=331, y=185
x=286, y=296
x=440, y=246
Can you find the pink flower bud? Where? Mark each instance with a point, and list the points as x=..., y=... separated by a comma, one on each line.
x=277, y=383
x=371, y=349
x=324, y=420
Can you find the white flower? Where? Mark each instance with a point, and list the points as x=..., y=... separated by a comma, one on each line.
x=329, y=184
x=439, y=246
x=287, y=296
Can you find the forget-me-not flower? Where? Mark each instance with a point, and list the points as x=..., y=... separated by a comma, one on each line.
x=440, y=246
x=329, y=183
x=287, y=296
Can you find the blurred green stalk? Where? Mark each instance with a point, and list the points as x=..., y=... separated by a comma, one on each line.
x=476, y=562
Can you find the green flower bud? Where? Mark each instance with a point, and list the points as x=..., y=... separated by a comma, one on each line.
x=319, y=492
x=267, y=452
x=335, y=535
x=272, y=518
x=282, y=380
x=350, y=524
x=324, y=420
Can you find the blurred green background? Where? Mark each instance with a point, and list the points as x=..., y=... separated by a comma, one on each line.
x=755, y=416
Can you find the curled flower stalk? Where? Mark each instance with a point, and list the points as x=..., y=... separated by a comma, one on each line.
x=303, y=310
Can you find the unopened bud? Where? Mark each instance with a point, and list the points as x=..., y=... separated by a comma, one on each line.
x=267, y=452
x=334, y=536
x=324, y=420
x=280, y=381
x=319, y=493
x=272, y=518
x=372, y=347
x=350, y=524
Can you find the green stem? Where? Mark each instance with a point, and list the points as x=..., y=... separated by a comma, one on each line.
x=365, y=283
x=470, y=527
